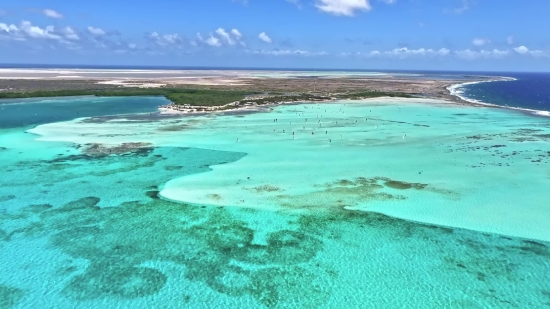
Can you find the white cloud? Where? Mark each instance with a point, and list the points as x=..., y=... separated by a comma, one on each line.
x=132, y=46
x=225, y=36
x=264, y=37
x=484, y=54
x=237, y=33
x=404, y=52
x=539, y=53
x=70, y=34
x=38, y=33
x=342, y=7
x=238, y=36
x=521, y=50
x=96, y=31
x=221, y=37
x=165, y=39
x=172, y=38
x=212, y=40
x=28, y=31
x=480, y=42
x=510, y=40
x=467, y=54
x=8, y=28
x=52, y=13
x=286, y=52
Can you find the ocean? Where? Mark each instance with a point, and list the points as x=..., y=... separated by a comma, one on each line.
x=383, y=203
x=525, y=91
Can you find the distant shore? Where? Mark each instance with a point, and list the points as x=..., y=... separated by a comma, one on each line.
x=202, y=91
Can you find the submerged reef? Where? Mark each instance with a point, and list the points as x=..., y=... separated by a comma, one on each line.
x=9, y=296
x=122, y=244
x=350, y=192
x=218, y=247
x=124, y=148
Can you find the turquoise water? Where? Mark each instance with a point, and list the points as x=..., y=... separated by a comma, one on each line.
x=24, y=112
x=231, y=211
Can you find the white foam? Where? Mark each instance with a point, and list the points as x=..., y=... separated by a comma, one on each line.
x=457, y=90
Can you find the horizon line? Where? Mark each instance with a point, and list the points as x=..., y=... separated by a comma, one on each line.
x=206, y=68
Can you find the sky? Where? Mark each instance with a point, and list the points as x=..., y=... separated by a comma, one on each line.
x=467, y=35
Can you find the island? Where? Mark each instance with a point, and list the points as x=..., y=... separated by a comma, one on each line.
x=196, y=91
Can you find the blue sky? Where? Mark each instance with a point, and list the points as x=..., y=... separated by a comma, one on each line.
x=496, y=35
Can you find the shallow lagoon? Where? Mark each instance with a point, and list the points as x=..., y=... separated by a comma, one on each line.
x=304, y=231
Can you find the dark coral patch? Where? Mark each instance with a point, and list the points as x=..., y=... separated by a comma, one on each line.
x=266, y=188
x=401, y=185
x=9, y=296
x=218, y=249
x=154, y=194
x=5, y=198
x=119, y=281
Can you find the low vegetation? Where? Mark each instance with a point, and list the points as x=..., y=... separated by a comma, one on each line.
x=204, y=97
x=288, y=98
x=195, y=97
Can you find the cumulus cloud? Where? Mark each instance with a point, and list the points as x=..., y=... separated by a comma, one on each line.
x=71, y=34
x=405, y=52
x=96, y=31
x=238, y=36
x=165, y=39
x=52, y=13
x=510, y=40
x=521, y=50
x=212, y=40
x=343, y=7
x=484, y=54
x=26, y=30
x=36, y=32
x=264, y=37
x=237, y=33
x=480, y=42
x=221, y=37
x=172, y=38
x=5, y=28
x=467, y=54
x=225, y=36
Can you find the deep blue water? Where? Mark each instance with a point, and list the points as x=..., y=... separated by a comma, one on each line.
x=35, y=111
x=530, y=90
